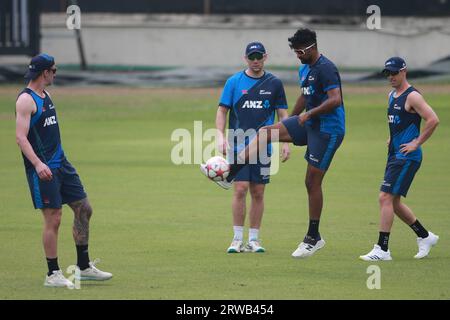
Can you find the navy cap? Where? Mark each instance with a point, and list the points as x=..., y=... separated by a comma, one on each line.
x=254, y=47
x=38, y=64
x=394, y=64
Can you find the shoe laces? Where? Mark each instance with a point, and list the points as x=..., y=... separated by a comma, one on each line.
x=94, y=263
x=254, y=243
x=306, y=246
x=237, y=244
x=377, y=251
x=58, y=274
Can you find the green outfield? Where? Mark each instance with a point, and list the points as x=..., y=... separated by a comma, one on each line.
x=163, y=230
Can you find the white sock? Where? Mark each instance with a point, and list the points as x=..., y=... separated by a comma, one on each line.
x=253, y=234
x=238, y=233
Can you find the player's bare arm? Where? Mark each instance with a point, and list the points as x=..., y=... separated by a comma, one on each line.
x=285, y=151
x=299, y=106
x=334, y=100
x=82, y=213
x=388, y=141
x=416, y=103
x=221, y=120
x=25, y=108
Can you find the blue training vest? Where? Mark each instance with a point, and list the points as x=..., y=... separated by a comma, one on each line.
x=404, y=126
x=44, y=135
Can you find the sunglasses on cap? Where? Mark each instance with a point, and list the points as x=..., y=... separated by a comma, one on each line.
x=301, y=51
x=255, y=56
x=388, y=73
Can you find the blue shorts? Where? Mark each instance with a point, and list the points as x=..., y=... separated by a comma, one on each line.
x=321, y=146
x=65, y=187
x=254, y=173
x=399, y=175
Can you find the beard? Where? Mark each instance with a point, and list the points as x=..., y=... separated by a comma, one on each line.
x=305, y=60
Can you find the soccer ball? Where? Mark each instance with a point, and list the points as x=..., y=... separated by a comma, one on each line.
x=217, y=168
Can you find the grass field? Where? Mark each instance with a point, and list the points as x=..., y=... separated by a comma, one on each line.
x=162, y=230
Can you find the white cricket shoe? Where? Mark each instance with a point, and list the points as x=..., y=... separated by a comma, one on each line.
x=223, y=184
x=93, y=273
x=236, y=246
x=57, y=279
x=254, y=246
x=305, y=250
x=377, y=254
x=425, y=245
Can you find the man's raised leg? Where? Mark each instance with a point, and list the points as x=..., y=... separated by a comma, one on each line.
x=273, y=133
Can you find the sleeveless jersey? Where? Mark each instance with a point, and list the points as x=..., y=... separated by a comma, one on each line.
x=404, y=126
x=43, y=134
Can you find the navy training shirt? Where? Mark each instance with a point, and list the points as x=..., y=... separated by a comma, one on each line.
x=315, y=81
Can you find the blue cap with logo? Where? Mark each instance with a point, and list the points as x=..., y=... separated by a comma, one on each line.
x=38, y=64
x=254, y=47
x=394, y=64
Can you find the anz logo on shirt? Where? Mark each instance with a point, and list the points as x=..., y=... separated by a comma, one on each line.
x=307, y=91
x=393, y=119
x=249, y=104
x=50, y=121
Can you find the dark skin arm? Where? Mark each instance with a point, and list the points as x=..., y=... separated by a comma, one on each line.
x=333, y=101
x=299, y=106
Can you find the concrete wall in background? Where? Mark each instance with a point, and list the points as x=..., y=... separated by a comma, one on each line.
x=195, y=40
